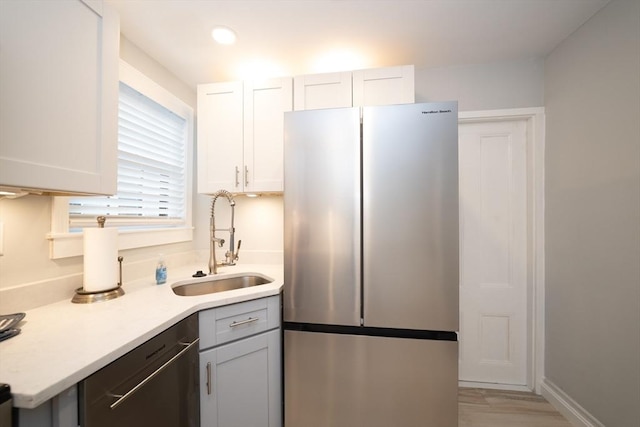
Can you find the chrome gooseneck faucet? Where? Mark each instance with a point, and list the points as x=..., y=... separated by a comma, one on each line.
x=230, y=255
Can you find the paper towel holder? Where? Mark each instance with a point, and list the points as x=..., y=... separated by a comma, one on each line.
x=84, y=297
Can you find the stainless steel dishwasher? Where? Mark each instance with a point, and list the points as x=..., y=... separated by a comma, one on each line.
x=156, y=384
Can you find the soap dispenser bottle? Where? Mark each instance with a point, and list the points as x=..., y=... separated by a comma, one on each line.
x=161, y=271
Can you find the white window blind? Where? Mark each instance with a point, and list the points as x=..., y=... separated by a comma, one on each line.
x=151, y=168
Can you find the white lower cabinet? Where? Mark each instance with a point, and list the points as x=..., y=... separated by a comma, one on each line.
x=240, y=382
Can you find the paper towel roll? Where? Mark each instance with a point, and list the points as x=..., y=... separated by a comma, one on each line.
x=100, y=259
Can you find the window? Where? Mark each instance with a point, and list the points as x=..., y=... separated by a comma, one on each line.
x=152, y=204
x=151, y=168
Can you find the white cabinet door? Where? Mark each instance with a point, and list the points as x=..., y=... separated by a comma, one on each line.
x=240, y=135
x=240, y=383
x=59, y=86
x=376, y=86
x=328, y=90
x=265, y=102
x=384, y=86
x=220, y=119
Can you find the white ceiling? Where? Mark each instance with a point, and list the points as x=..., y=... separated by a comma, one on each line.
x=291, y=37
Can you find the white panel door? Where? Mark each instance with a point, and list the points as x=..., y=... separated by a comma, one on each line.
x=493, y=252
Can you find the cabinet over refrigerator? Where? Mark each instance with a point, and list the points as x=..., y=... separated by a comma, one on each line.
x=371, y=266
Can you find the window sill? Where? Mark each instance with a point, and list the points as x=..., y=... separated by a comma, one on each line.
x=65, y=245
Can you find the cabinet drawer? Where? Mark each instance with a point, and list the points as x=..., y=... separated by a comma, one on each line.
x=232, y=322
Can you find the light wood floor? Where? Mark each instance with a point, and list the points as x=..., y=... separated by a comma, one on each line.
x=498, y=408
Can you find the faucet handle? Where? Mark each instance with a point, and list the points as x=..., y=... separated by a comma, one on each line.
x=230, y=256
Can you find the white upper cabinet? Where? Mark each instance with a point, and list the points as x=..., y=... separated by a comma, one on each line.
x=328, y=90
x=59, y=103
x=220, y=122
x=265, y=103
x=376, y=86
x=384, y=86
x=240, y=134
x=241, y=124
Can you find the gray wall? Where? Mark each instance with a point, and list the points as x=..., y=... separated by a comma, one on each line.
x=493, y=86
x=592, y=99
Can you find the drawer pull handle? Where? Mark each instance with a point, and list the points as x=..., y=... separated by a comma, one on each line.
x=122, y=397
x=244, y=322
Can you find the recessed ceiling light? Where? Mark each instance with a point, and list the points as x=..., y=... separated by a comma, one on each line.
x=223, y=35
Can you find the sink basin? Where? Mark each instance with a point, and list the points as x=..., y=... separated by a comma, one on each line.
x=211, y=285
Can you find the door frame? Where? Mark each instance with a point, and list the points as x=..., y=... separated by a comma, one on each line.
x=535, y=128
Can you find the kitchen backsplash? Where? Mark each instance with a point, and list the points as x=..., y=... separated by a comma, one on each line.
x=28, y=278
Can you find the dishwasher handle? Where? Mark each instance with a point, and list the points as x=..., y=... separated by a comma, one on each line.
x=122, y=397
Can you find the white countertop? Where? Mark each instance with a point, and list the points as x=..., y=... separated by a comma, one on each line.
x=61, y=344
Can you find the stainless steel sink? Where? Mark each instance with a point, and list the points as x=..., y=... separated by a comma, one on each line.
x=213, y=285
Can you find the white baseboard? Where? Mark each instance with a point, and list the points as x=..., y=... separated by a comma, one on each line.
x=493, y=386
x=568, y=407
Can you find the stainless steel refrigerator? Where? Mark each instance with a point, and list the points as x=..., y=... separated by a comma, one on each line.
x=371, y=267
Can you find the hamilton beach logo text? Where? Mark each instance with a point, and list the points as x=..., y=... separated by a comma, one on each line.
x=436, y=111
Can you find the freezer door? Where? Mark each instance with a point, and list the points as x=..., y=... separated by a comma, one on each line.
x=322, y=217
x=365, y=381
x=410, y=216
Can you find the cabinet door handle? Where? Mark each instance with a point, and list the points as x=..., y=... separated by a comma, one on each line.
x=208, y=377
x=237, y=177
x=246, y=176
x=244, y=322
x=122, y=397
